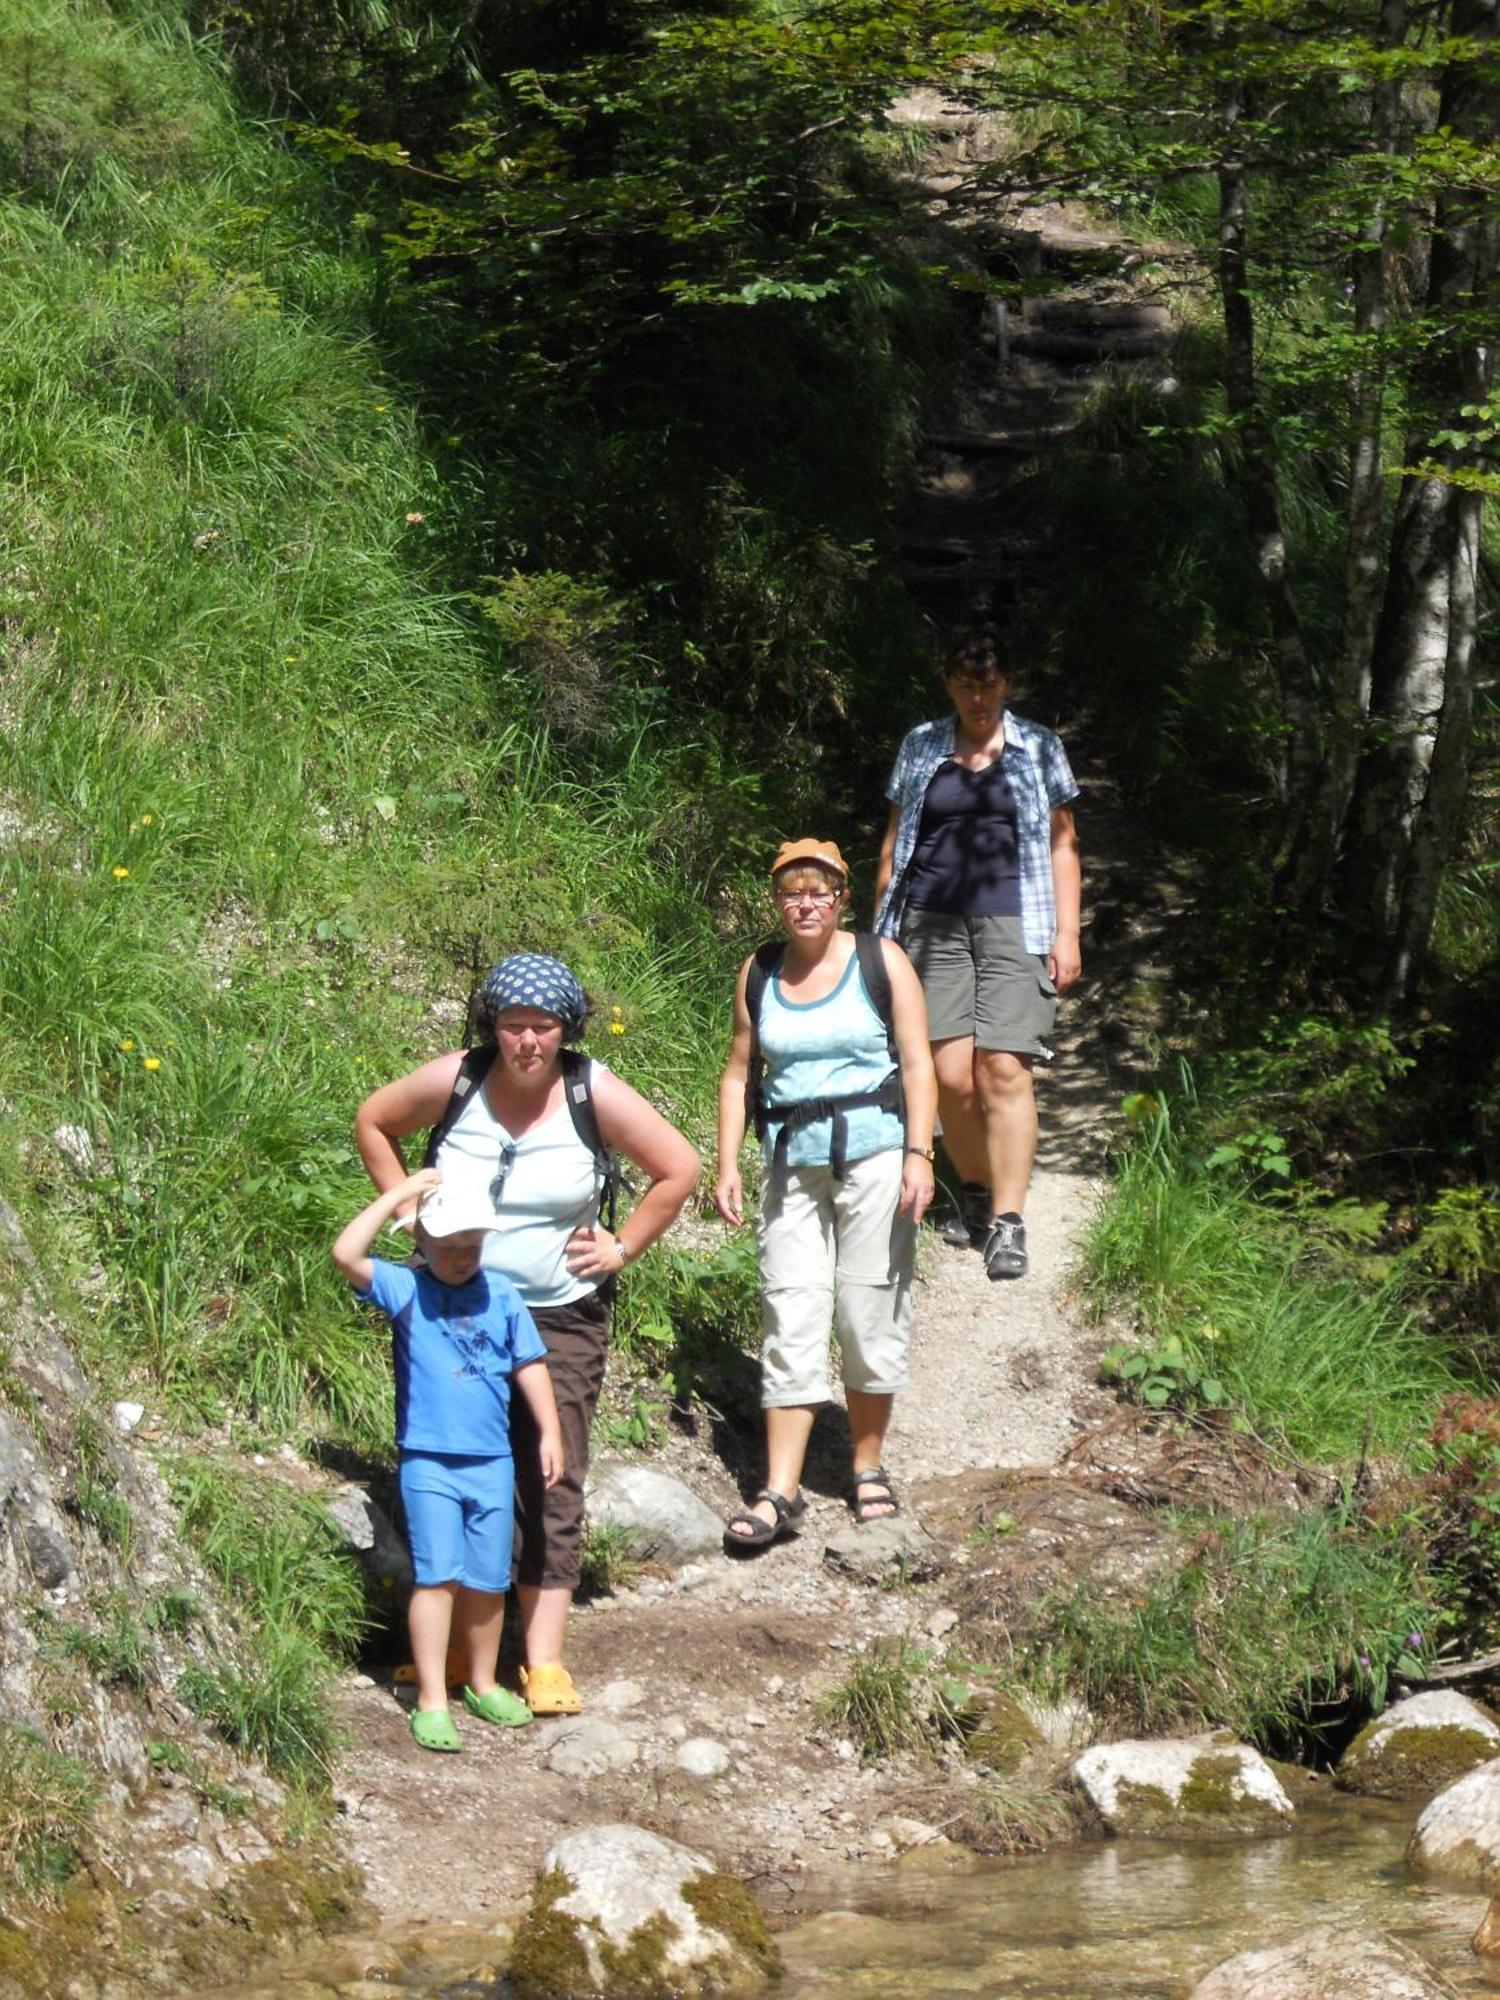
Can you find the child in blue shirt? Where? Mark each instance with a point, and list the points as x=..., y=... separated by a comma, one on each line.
x=461, y=1336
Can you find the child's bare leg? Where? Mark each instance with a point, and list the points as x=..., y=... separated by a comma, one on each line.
x=477, y=1617
x=429, y=1621
x=544, y=1614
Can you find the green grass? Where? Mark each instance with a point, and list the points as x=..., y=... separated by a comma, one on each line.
x=46, y=1806
x=273, y=786
x=1272, y=1626
x=1327, y=1364
x=893, y=1699
x=299, y=1604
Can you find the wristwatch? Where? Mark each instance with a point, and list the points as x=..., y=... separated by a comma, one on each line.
x=624, y=1252
x=926, y=1153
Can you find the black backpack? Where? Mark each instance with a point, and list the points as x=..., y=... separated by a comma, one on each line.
x=792, y=1117
x=472, y=1072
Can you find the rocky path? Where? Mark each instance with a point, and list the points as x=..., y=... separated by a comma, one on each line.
x=703, y=1685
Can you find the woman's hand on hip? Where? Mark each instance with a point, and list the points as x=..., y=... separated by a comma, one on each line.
x=729, y=1197
x=916, y=1186
x=593, y=1253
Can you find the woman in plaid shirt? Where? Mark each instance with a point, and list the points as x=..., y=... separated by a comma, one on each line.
x=979, y=879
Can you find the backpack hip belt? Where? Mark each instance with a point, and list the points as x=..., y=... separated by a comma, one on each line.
x=810, y=1110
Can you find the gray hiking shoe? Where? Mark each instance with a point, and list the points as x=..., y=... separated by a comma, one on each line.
x=1005, y=1248
x=968, y=1228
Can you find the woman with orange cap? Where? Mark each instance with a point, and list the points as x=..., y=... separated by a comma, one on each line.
x=830, y=1059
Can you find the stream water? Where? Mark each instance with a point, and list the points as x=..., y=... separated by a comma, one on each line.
x=1129, y=1918
x=1123, y=1920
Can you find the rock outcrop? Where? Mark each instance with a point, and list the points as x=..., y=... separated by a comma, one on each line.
x=666, y=1521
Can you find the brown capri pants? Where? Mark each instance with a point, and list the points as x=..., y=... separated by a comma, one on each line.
x=549, y=1522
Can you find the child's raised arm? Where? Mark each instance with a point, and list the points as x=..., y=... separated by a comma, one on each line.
x=351, y=1249
x=535, y=1384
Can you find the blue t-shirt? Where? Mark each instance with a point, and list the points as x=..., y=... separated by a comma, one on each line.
x=456, y=1348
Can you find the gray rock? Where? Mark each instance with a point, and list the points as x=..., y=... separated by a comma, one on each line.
x=1183, y=1789
x=702, y=1757
x=666, y=1522
x=617, y=1696
x=590, y=1748
x=615, y=1901
x=1325, y=1965
x=47, y=1553
x=1458, y=1835
x=897, y=1546
x=380, y=1552
x=76, y=1145
x=1418, y=1746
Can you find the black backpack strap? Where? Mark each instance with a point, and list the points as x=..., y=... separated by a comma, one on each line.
x=877, y=977
x=762, y=967
x=472, y=1072
x=578, y=1092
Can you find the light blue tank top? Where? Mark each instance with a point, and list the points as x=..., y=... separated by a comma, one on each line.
x=831, y=1047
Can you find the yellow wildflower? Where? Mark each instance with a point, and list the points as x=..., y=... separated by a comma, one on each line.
x=148, y=819
x=152, y=1063
x=380, y=409
x=119, y=873
x=127, y=1046
x=617, y=1027
x=288, y=658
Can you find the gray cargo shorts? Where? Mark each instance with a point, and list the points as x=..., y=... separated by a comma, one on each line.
x=979, y=979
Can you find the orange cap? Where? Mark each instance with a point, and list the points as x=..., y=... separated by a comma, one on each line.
x=821, y=853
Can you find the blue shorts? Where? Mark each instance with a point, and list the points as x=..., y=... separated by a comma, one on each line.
x=460, y=1514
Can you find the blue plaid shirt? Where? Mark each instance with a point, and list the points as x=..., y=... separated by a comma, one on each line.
x=1041, y=779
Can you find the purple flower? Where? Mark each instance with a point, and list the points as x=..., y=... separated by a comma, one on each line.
x=1414, y=1640
x=1364, y=1659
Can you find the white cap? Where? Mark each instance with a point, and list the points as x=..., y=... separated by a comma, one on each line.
x=451, y=1211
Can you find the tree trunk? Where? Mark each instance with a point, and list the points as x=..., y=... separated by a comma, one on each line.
x=1313, y=851
x=1412, y=778
x=1299, y=762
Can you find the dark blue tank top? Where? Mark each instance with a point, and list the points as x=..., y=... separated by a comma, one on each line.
x=966, y=861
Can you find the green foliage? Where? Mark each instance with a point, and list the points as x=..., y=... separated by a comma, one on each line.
x=1271, y=1626
x=1459, y=1508
x=1162, y=1377
x=894, y=1698
x=610, y=1561
x=113, y=1647
x=46, y=1805
x=1223, y=1289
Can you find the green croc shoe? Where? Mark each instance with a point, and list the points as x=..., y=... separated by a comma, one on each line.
x=433, y=1729
x=499, y=1705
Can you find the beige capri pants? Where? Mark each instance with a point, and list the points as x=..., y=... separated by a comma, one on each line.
x=835, y=1255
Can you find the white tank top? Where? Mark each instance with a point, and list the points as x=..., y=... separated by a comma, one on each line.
x=550, y=1188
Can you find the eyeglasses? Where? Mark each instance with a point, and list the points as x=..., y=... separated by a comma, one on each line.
x=507, y=1161
x=821, y=899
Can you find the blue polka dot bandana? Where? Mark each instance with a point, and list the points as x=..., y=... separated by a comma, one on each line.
x=527, y=979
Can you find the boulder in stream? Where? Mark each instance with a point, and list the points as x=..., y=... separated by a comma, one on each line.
x=1418, y=1746
x=1183, y=1789
x=1325, y=1965
x=1458, y=1834
x=619, y=1910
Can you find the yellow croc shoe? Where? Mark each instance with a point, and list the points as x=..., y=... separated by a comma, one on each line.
x=456, y=1668
x=549, y=1690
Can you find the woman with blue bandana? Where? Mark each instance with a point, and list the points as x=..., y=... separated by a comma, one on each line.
x=515, y=1139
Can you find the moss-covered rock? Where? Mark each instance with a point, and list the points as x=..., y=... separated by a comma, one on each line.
x=1005, y=1736
x=1457, y=1836
x=1418, y=1746
x=622, y=1912
x=1183, y=1790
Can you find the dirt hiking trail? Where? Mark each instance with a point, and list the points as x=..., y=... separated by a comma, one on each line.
x=741, y=1651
